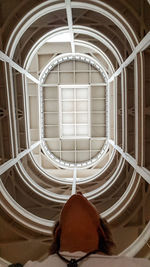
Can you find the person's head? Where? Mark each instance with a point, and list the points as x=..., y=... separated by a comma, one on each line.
x=80, y=228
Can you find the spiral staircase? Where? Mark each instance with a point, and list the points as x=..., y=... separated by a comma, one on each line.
x=74, y=116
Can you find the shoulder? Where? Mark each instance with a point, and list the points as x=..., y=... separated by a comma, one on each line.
x=52, y=259
x=117, y=261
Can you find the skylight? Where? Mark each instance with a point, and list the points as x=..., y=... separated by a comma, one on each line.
x=74, y=111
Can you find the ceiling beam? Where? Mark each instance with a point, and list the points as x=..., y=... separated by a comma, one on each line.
x=74, y=181
x=7, y=165
x=139, y=169
x=70, y=24
x=5, y=58
x=145, y=42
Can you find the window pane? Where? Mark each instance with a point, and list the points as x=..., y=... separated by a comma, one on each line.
x=81, y=130
x=68, y=118
x=68, y=106
x=81, y=93
x=68, y=93
x=82, y=118
x=82, y=106
x=68, y=130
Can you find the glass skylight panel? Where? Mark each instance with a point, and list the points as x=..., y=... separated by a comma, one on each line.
x=74, y=111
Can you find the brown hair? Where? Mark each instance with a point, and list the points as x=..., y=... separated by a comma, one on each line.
x=105, y=238
x=106, y=242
